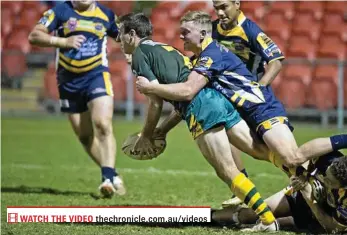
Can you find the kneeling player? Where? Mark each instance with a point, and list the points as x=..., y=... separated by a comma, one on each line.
x=208, y=115
x=321, y=202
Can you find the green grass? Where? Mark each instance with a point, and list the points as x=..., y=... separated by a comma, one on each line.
x=44, y=164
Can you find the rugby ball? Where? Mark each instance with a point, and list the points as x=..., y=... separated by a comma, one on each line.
x=128, y=146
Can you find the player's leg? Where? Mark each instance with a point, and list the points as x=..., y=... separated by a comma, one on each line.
x=101, y=110
x=100, y=105
x=214, y=145
x=234, y=201
x=282, y=144
x=278, y=204
x=83, y=127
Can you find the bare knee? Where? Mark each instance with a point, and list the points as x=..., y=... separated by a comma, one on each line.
x=103, y=127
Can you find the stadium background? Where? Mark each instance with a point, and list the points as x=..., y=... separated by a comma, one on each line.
x=43, y=163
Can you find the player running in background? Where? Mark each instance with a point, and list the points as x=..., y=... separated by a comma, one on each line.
x=245, y=39
x=321, y=202
x=208, y=115
x=84, y=83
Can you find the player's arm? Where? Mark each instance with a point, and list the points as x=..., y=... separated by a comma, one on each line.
x=155, y=106
x=269, y=51
x=329, y=223
x=320, y=146
x=40, y=35
x=168, y=123
x=178, y=91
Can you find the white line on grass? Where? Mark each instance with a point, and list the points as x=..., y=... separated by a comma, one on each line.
x=149, y=170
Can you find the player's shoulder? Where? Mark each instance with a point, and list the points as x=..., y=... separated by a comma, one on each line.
x=62, y=7
x=106, y=10
x=250, y=27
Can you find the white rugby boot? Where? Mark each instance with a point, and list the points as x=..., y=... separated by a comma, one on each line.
x=260, y=227
x=108, y=189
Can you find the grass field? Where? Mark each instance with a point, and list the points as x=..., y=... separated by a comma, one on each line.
x=43, y=164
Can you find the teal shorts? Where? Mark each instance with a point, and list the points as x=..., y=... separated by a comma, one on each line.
x=210, y=109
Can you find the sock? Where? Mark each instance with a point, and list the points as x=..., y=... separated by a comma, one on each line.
x=107, y=173
x=244, y=189
x=338, y=142
x=245, y=172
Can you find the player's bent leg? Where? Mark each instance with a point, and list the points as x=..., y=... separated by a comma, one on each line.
x=101, y=110
x=214, y=145
x=282, y=144
x=278, y=204
x=241, y=136
x=83, y=127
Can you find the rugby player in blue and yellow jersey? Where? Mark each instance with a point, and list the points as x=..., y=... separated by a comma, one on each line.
x=246, y=40
x=81, y=29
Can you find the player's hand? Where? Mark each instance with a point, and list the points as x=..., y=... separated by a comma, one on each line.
x=144, y=147
x=142, y=85
x=158, y=134
x=298, y=183
x=75, y=41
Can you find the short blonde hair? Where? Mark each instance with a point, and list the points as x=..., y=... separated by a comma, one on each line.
x=198, y=17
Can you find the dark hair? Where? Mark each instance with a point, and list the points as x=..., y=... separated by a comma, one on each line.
x=339, y=170
x=138, y=22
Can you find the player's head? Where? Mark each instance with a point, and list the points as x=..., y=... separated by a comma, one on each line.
x=133, y=27
x=336, y=174
x=82, y=4
x=195, y=26
x=226, y=10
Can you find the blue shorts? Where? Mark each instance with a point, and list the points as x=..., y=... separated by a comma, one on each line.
x=75, y=94
x=263, y=116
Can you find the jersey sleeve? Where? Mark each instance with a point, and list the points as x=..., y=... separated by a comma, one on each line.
x=50, y=18
x=113, y=29
x=207, y=65
x=140, y=66
x=263, y=44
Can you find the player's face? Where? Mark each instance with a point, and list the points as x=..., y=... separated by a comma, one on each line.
x=82, y=4
x=126, y=41
x=330, y=180
x=191, y=36
x=226, y=11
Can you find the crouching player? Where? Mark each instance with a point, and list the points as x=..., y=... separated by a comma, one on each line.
x=208, y=114
x=320, y=205
x=84, y=83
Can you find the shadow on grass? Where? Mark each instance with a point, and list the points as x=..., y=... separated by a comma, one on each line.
x=40, y=190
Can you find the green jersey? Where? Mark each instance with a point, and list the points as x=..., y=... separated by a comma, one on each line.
x=158, y=61
x=208, y=109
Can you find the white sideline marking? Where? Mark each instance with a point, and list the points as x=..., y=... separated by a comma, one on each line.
x=149, y=170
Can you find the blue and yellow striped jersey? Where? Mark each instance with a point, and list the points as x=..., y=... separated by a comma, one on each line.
x=228, y=74
x=336, y=201
x=249, y=43
x=95, y=25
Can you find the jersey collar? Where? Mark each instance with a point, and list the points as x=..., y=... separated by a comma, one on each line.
x=206, y=43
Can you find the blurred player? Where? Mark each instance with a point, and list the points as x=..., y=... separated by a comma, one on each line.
x=84, y=83
x=208, y=115
x=245, y=39
x=321, y=203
